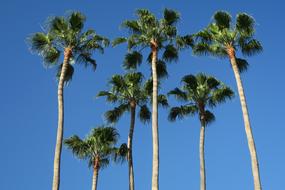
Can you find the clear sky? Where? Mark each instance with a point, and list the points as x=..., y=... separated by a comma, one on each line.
x=28, y=102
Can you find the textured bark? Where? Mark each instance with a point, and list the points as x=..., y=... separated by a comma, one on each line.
x=155, y=137
x=58, y=147
x=130, y=147
x=95, y=174
x=248, y=131
x=202, y=159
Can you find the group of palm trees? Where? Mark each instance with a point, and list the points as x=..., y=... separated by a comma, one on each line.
x=159, y=41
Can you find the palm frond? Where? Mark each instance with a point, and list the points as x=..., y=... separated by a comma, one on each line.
x=184, y=41
x=170, y=53
x=220, y=95
x=58, y=26
x=86, y=59
x=76, y=21
x=109, y=96
x=209, y=117
x=39, y=42
x=51, y=56
x=117, y=81
x=212, y=82
x=68, y=74
x=118, y=41
x=120, y=154
x=132, y=25
x=181, y=112
x=161, y=69
x=251, y=47
x=222, y=19
x=245, y=24
x=178, y=94
x=133, y=79
x=201, y=48
x=132, y=60
x=242, y=65
x=78, y=146
x=144, y=114
x=162, y=100
x=112, y=116
x=190, y=81
x=170, y=16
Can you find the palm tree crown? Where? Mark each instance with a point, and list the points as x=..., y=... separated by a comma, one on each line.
x=66, y=33
x=149, y=32
x=99, y=144
x=129, y=90
x=222, y=38
x=199, y=92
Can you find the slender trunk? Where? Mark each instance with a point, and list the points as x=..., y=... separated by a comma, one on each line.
x=95, y=174
x=155, y=138
x=58, y=147
x=130, y=147
x=248, y=131
x=202, y=159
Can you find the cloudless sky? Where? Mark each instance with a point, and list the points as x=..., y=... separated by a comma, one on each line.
x=28, y=102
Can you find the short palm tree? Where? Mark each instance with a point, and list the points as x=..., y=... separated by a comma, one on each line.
x=199, y=92
x=65, y=35
x=98, y=148
x=222, y=39
x=129, y=92
x=158, y=36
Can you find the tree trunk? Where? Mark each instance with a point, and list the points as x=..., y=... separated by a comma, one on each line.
x=155, y=137
x=95, y=174
x=248, y=131
x=130, y=147
x=58, y=147
x=202, y=159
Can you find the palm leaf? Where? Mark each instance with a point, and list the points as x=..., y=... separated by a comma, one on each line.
x=170, y=53
x=209, y=117
x=162, y=100
x=112, y=116
x=242, y=65
x=170, y=16
x=144, y=114
x=222, y=19
x=76, y=21
x=181, y=112
x=132, y=60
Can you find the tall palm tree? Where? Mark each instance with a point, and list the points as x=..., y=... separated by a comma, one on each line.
x=98, y=148
x=65, y=35
x=129, y=92
x=199, y=92
x=158, y=36
x=222, y=39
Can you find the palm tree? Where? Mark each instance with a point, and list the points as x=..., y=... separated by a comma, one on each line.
x=199, y=92
x=159, y=36
x=129, y=92
x=65, y=34
x=222, y=39
x=98, y=148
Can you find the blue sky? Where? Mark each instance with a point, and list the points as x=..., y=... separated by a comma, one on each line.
x=28, y=102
